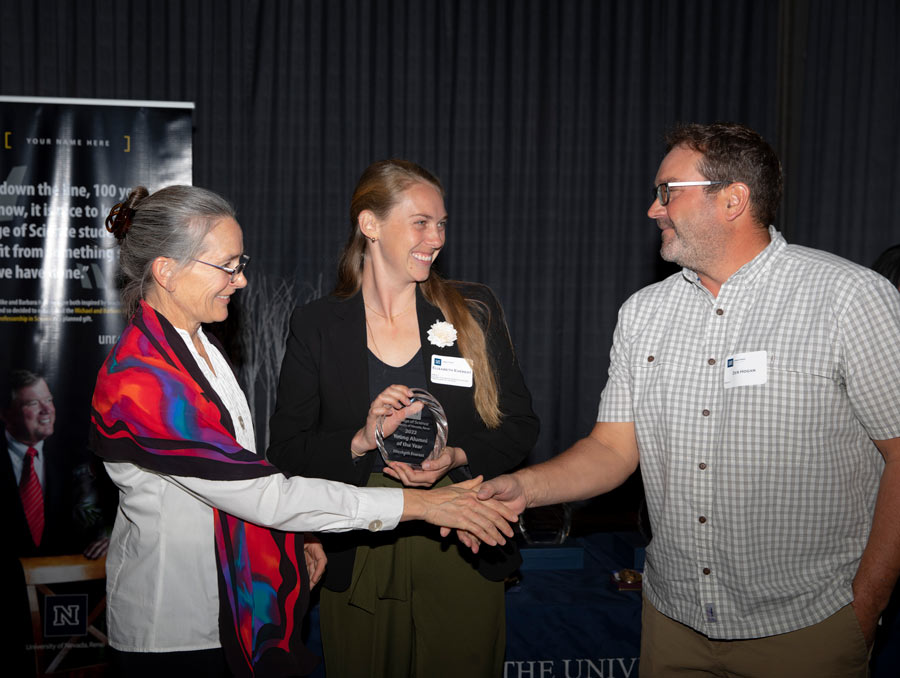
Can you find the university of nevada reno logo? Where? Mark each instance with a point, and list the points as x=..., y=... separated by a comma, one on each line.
x=65, y=615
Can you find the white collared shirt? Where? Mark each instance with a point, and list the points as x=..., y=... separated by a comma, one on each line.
x=17, y=452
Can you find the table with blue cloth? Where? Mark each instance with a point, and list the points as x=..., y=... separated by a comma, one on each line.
x=573, y=622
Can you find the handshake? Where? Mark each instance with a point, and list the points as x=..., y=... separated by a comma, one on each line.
x=480, y=512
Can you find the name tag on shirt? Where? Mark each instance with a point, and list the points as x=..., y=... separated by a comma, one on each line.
x=451, y=371
x=746, y=369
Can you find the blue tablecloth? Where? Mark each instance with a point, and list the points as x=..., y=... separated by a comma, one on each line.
x=573, y=622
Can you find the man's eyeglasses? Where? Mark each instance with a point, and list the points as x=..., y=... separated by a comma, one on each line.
x=661, y=192
x=233, y=272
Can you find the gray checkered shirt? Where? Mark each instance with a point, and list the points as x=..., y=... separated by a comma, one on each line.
x=761, y=496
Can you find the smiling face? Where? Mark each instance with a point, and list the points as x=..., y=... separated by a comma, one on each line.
x=412, y=234
x=692, y=235
x=200, y=293
x=31, y=415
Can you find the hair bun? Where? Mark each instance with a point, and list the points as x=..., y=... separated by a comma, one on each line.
x=119, y=220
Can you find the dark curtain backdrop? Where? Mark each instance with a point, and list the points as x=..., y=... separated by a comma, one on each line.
x=543, y=118
x=839, y=127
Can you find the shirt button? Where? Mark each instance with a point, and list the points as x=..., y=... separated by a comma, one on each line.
x=720, y=311
x=702, y=519
x=650, y=358
x=375, y=526
x=702, y=465
x=711, y=361
x=705, y=413
x=706, y=570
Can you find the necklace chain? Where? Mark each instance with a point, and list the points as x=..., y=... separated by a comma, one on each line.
x=374, y=343
x=382, y=315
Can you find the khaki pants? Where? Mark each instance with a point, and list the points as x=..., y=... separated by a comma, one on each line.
x=833, y=648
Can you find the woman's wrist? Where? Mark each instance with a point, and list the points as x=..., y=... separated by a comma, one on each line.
x=413, y=505
x=359, y=446
x=459, y=458
x=418, y=503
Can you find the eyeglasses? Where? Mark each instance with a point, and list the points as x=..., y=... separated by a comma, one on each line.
x=661, y=192
x=233, y=272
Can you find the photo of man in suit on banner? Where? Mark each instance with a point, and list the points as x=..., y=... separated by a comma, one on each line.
x=48, y=491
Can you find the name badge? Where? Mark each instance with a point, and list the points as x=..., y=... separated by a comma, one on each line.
x=451, y=371
x=746, y=369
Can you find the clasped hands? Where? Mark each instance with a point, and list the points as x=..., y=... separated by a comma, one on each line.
x=476, y=519
x=504, y=490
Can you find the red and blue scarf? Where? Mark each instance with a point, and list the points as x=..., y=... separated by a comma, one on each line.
x=153, y=407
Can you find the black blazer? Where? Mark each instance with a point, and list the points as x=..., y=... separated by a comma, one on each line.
x=323, y=399
x=60, y=535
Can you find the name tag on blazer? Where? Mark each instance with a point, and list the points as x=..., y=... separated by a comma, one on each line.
x=451, y=371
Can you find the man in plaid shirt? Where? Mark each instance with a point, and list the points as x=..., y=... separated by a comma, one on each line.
x=759, y=389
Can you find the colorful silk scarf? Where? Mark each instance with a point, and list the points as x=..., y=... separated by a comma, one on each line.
x=153, y=407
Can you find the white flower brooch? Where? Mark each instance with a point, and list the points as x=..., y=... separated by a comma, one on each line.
x=442, y=334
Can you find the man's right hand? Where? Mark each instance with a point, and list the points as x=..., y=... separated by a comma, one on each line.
x=507, y=489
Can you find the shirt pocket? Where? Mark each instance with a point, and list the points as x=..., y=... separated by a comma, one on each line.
x=664, y=379
x=805, y=366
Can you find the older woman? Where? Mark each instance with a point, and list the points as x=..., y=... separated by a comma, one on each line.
x=195, y=575
x=405, y=604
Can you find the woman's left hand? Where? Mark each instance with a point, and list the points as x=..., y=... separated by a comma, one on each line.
x=431, y=471
x=315, y=558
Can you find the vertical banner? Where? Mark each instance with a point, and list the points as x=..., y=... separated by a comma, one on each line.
x=63, y=164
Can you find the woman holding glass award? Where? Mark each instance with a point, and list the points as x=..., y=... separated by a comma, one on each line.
x=409, y=604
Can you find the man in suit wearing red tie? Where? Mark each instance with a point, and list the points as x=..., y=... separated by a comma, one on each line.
x=44, y=487
x=29, y=417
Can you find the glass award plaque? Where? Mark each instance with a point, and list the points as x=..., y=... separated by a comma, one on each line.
x=419, y=437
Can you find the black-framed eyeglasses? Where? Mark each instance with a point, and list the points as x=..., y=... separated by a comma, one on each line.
x=661, y=192
x=233, y=272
